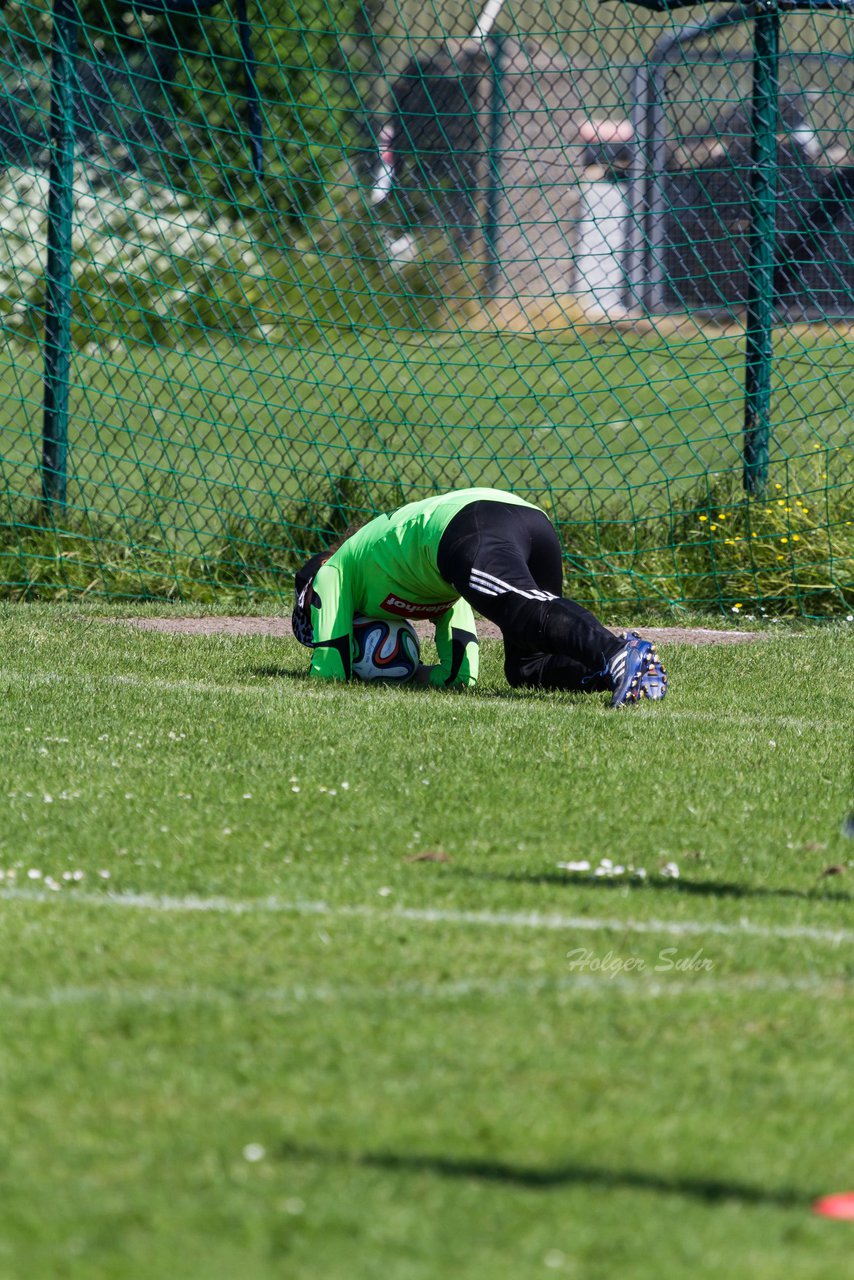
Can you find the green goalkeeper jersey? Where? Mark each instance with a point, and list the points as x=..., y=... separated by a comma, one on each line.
x=388, y=569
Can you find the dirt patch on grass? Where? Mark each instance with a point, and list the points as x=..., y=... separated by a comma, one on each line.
x=695, y=635
x=237, y=626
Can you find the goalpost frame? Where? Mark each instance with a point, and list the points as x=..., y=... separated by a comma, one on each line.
x=761, y=298
x=57, y=326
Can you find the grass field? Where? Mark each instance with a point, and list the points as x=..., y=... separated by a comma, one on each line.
x=244, y=1033
x=181, y=442
x=198, y=472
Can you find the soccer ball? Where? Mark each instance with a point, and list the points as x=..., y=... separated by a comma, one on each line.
x=384, y=649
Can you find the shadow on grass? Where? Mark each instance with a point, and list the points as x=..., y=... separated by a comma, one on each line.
x=497, y=694
x=276, y=673
x=710, y=1190
x=697, y=888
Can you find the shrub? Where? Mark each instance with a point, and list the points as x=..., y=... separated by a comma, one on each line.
x=790, y=552
x=146, y=264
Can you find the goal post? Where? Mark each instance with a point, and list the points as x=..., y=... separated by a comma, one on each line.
x=764, y=124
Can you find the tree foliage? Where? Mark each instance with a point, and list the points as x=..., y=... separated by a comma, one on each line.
x=163, y=94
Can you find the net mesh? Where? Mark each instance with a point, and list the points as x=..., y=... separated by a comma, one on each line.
x=517, y=258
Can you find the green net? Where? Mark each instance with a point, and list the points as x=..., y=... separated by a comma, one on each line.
x=270, y=269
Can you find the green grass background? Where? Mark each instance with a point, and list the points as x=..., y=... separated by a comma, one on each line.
x=208, y=473
x=432, y=1098
x=181, y=442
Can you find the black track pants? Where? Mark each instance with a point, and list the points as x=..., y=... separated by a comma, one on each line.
x=505, y=560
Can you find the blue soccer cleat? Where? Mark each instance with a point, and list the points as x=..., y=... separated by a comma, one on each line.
x=636, y=672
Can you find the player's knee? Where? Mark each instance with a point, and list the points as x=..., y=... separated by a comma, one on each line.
x=514, y=676
x=513, y=670
x=522, y=673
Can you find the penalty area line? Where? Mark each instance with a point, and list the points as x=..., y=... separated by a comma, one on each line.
x=272, y=691
x=434, y=915
x=460, y=989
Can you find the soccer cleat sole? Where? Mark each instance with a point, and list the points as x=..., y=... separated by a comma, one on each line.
x=637, y=691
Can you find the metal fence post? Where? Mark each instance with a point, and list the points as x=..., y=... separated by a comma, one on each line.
x=57, y=326
x=763, y=210
x=497, y=108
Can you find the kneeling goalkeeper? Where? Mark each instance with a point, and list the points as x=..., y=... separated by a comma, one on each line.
x=439, y=559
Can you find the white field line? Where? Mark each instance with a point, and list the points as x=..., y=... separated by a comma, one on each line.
x=434, y=915
x=462, y=989
x=271, y=690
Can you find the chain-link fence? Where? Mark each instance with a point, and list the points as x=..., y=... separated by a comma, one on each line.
x=690, y=188
x=269, y=269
